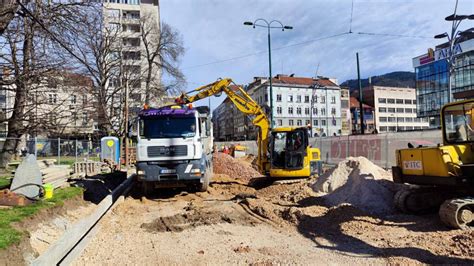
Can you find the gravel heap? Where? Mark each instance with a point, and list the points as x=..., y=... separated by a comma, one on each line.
x=359, y=182
x=234, y=168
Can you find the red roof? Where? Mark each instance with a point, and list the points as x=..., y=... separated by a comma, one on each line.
x=356, y=104
x=283, y=79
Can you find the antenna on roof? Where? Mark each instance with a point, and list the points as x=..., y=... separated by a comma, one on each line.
x=317, y=69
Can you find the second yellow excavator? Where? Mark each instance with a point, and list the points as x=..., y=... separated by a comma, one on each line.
x=283, y=152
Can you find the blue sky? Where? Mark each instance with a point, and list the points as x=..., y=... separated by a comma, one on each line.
x=213, y=31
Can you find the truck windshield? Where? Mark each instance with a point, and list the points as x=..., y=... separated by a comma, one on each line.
x=167, y=127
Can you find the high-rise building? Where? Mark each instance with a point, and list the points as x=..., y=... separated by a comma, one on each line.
x=432, y=78
x=129, y=17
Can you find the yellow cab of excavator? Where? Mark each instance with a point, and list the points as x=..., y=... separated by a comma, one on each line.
x=291, y=155
x=446, y=164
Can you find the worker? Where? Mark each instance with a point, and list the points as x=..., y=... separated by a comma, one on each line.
x=226, y=150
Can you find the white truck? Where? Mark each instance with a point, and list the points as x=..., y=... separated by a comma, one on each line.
x=174, y=147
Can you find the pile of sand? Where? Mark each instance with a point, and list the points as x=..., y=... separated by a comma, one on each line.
x=359, y=182
x=234, y=168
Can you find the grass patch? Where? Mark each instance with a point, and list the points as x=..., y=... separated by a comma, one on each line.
x=5, y=182
x=9, y=235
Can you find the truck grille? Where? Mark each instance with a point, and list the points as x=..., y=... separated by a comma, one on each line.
x=164, y=151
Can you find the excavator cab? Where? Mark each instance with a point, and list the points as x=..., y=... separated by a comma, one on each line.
x=443, y=174
x=290, y=153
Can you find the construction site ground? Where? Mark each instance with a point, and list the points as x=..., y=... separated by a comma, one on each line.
x=239, y=221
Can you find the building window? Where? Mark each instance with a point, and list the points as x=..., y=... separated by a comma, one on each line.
x=278, y=97
x=299, y=122
x=84, y=100
x=290, y=122
x=315, y=111
x=279, y=110
x=390, y=100
x=391, y=110
x=409, y=119
x=52, y=98
x=280, y=122
x=333, y=99
x=400, y=101
x=266, y=97
x=84, y=118
x=382, y=100
x=383, y=129
x=323, y=111
x=383, y=119
x=290, y=98
x=392, y=129
x=399, y=110
x=306, y=98
x=382, y=109
x=306, y=111
x=315, y=123
x=391, y=119
x=407, y=101
x=323, y=99
x=290, y=110
x=298, y=98
x=73, y=99
x=74, y=117
x=323, y=122
x=414, y=101
x=333, y=111
x=408, y=110
x=400, y=119
x=307, y=122
x=315, y=98
x=298, y=110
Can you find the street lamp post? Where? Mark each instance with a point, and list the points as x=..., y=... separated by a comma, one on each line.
x=456, y=19
x=269, y=26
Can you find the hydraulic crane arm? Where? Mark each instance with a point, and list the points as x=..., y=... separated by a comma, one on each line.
x=245, y=104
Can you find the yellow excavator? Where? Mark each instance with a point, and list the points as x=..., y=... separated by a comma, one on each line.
x=282, y=152
x=443, y=175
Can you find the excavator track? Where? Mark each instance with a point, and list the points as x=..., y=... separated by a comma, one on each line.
x=458, y=213
x=419, y=200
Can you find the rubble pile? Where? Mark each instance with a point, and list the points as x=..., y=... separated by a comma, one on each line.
x=359, y=182
x=227, y=165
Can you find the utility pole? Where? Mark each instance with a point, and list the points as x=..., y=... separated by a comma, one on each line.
x=126, y=124
x=361, y=105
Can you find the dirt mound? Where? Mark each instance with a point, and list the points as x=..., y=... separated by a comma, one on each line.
x=359, y=182
x=238, y=169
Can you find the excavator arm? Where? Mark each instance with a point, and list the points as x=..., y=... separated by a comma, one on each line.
x=245, y=104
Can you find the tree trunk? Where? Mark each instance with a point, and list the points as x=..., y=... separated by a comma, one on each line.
x=147, y=83
x=16, y=128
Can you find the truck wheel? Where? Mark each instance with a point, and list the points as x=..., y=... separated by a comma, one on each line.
x=147, y=189
x=202, y=187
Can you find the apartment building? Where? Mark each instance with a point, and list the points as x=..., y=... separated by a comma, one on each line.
x=302, y=101
x=395, y=108
x=7, y=99
x=128, y=16
x=368, y=112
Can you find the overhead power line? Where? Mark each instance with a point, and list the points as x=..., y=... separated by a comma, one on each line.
x=394, y=35
x=262, y=52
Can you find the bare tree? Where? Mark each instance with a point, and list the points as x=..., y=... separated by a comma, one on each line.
x=163, y=48
x=29, y=54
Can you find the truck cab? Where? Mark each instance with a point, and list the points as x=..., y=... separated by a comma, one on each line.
x=174, y=147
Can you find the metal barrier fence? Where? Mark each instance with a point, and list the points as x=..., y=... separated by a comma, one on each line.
x=65, y=151
x=379, y=148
